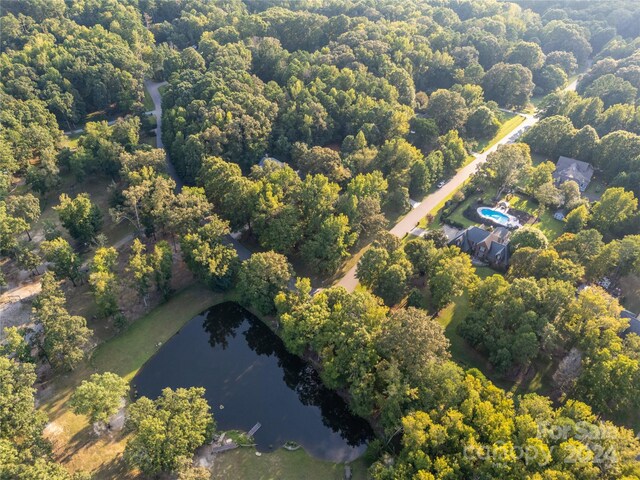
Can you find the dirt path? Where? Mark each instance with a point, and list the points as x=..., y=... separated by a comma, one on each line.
x=15, y=305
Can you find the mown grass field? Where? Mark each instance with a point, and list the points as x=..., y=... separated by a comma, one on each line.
x=551, y=227
x=76, y=445
x=73, y=439
x=243, y=463
x=512, y=120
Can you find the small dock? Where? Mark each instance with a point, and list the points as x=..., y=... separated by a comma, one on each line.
x=255, y=428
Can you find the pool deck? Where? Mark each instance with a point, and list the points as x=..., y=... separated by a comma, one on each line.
x=499, y=216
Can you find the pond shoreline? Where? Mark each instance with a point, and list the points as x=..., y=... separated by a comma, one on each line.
x=124, y=354
x=256, y=380
x=312, y=359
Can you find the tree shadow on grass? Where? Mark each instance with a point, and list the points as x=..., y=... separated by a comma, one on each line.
x=114, y=468
x=79, y=441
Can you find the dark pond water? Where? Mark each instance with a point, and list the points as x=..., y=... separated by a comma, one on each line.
x=246, y=369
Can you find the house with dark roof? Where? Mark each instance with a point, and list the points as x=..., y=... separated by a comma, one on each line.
x=568, y=169
x=634, y=323
x=491, y=247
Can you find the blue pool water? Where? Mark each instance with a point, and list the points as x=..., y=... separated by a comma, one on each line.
x=495, y=215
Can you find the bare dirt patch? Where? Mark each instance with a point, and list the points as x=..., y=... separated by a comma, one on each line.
x=15, y=304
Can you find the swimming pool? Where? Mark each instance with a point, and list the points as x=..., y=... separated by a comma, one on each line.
x=498, y=217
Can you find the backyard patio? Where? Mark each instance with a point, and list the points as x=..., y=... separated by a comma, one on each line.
x=462, y=215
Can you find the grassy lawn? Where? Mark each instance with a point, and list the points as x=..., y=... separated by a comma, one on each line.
x=461, y=352
x=595, y=189
x=450, y=318
x=281, y=465
x=551, y=227
x=466, y=356
x=148, y=101
x=542, y=380
x=73, y=439
x=457, y=214
x=75, y=444
x=484, y=272
x=511, y=121
x=71, y=141
x=437, y=210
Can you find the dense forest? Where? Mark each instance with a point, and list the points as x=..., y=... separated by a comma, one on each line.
x=307, y=128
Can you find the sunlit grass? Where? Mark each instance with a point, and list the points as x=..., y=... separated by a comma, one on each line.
x=511, y=123
x=281, y=465
x=148, y=101
x=73, y=439
x=551, y=227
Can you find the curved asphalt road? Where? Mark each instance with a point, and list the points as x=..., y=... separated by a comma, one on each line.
x=403, y=227
x=154, y=91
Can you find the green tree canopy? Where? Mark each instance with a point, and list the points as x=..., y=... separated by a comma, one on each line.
x=261, y=278
x=99, y=397
x=79, y=216
x=167, y=429
x=208, y=257
x=528, y=236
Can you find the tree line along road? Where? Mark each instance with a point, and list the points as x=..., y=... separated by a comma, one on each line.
x=349, y=281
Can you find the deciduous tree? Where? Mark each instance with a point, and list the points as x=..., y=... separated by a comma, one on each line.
x=162, y=264
x=330, y=245
x=79, y=216
x=25, y=207
x=528, y=236
x=577, y=219
x=167, y=429
x=448, y=109
x=103, y=280
x=613, y=208
x=206, y=254
x=509, y=85
x=64, y=335
x=65, y=263
x=261, y=278
x=10, y=227
x=100, y=397
x=451, y=276
x=140, y=269
x=506, y=167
